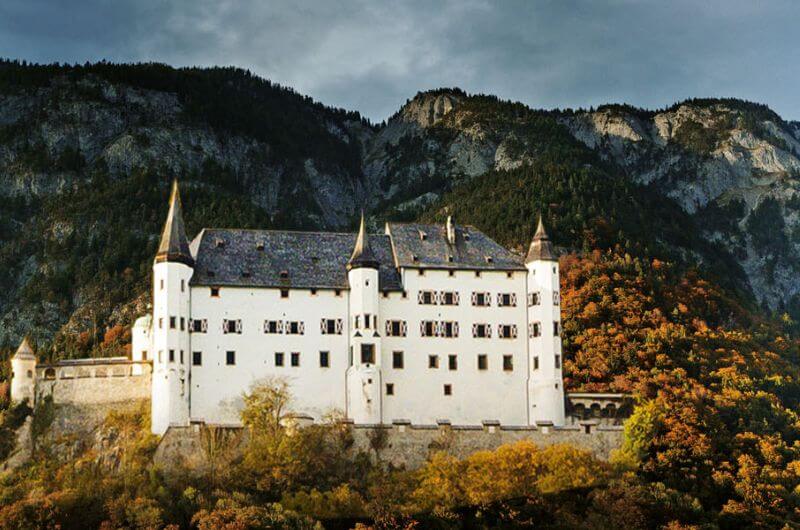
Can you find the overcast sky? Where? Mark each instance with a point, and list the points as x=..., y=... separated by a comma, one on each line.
x=372, y=56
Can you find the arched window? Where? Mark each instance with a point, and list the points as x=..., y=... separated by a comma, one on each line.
x=50, y=373
x=30, y=374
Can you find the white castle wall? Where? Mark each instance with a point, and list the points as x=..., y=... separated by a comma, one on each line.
x=217, y=388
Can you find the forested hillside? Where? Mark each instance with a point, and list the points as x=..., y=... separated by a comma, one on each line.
x=679, y=231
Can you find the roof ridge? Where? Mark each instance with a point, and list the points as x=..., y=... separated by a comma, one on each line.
x=276, y=231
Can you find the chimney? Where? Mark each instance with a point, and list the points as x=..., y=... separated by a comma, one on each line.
x=451, y=230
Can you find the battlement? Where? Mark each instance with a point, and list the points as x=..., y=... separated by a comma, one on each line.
x=94, y=381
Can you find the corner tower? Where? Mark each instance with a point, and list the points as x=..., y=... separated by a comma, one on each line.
x=545, y=382
x=172, y=269
x=364, y=370
x=23, y=374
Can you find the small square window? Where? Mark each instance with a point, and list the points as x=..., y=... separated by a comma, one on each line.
x=313, y=292
x=483, y=361
x=278, y=359
x=337, y=292
x=284, y=293
x=230, y=358
x=448, y=390
x=508, y=363
x=433, y=361
x=452, y=362
x=367, y=354
x=171, y=322
x=295, y=359
x=324, y=359
x=197, y=358
x=215, y=292
x=389, y=389
x=397, y=360
x=172, y=356
x=183, y=323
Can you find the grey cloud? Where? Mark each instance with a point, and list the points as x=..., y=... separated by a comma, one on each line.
x=372, y=56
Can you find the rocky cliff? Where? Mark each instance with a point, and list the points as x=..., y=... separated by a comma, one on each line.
x=86, y=154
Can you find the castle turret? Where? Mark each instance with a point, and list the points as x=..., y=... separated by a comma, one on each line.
x=23, y=374
x=545, y=383
x=172, y=270
x=364, y=371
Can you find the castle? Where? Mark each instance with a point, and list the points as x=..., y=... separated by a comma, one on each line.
x=423, y=324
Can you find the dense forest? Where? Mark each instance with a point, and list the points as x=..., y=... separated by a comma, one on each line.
x=652, y=306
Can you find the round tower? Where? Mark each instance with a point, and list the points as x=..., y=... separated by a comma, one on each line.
x=364, y=371
x=23, y=374
x=545, y=382
x=172, y=269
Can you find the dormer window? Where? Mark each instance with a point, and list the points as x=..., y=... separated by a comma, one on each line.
x=414, y=258
x=422, y=235
x=466, y=236
x=284, y=275
x=450, y=258
x=219, y=242
x=245, y=274
x=489, y=259
x=260, y=246
x=210, y=274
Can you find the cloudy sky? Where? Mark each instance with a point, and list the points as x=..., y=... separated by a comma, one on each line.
x=372, y=56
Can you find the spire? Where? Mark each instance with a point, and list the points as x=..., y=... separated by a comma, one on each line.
x=362, y=253
x=24, y=351
x=541, y=248
x=174, y=245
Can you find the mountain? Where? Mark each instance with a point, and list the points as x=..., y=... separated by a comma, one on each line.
x=87, y=152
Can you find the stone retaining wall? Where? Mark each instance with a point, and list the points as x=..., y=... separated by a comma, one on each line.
x=94, y=383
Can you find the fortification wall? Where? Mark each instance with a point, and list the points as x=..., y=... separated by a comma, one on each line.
x=400, y=445
x=96, y=382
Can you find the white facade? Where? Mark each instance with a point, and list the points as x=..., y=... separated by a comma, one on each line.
x=436, y=343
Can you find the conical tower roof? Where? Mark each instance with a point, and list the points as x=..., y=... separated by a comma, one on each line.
x=541, y=248
x=362, y=253
x=174, y=245
x=24, y=351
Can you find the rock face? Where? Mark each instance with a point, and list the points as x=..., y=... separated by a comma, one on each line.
x=733, y=165
x=297, y=164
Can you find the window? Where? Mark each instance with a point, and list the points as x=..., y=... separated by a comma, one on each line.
x=482, y=331
x=198, y=325
x=397, y=360
x=506, y=299
x=556, y=298
x=389, y=389
x=534, y=299
x=144, y=355
x=367, y=320
x=481, y=299
x=558, y=361
x=161, y=356
x=433, y=361
x=215, y=292
x=172, y=356
x=535, y=329
x=313, y=292
x=337, y=292
x=536, y=362
x=230, y=358
x=278, y=358
x=197, y=358
x=273, y=326
x=161, y=284
x=556, y=328
x=357, y=322
x=183, y=285
x=324, y=359
x=160, y=323
x=477, y=274
x=448, y=298
x=367, y=354
x=396, y=328
x=171, y=322
x=427, y=328
x=448, y=390
x=427, y=297
x=295, y=359
x=183, y=323
x=181, y=356
x=507, y=331
x=232, y=326
x=331, y=326
x=508, y=363
x=483, y=361
x=284, y=293
x=449, y=329
x=452, y=362
x=295, y=328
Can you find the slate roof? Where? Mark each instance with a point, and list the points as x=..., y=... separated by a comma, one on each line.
x=426, y=246
x=267, y=258
x=362, y=253
x=24, y=351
